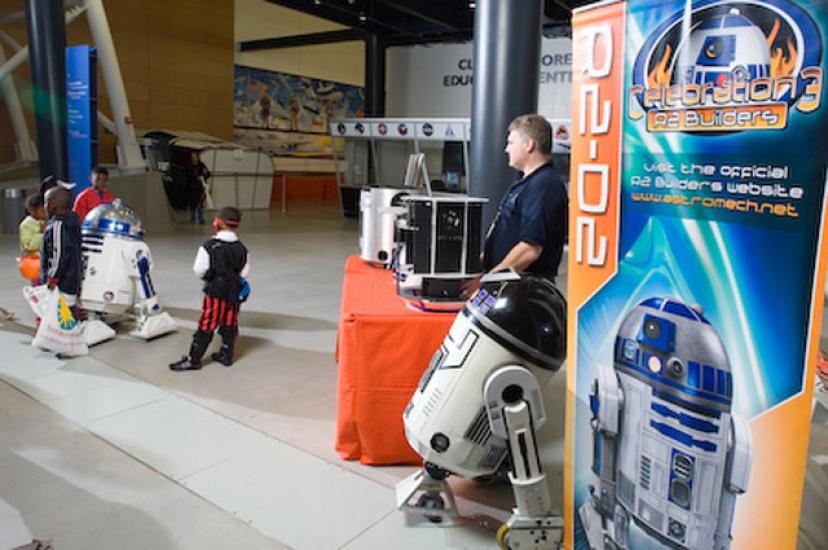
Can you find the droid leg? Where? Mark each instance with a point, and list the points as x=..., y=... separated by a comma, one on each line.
x=426, y=492
x=600, y=512
x=515, y=410
x=737, y=474
x=150, y=319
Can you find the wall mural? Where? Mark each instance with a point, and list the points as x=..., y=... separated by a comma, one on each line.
x=287, y=115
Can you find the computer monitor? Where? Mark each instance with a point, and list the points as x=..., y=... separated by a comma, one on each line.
x=453, y=166
x=416, y=174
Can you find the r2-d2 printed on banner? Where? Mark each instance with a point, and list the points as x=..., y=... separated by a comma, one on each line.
x=668, y=454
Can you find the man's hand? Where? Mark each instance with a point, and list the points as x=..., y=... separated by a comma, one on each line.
x=51, y=282
x=470, y=287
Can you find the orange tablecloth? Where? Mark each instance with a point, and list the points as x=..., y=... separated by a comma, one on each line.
x=383, y=347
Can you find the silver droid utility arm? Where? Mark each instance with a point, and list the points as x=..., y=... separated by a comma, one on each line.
x=739, y=457
x=606, y=400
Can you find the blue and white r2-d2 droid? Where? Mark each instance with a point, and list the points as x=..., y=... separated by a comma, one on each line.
x=117, y=265
x=668, y=454
x=722, y=48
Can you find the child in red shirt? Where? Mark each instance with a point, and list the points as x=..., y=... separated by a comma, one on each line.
x=93, y=196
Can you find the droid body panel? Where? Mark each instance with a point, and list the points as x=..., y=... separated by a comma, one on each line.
x=721, y=48
x=117, y=266
x=668, y=454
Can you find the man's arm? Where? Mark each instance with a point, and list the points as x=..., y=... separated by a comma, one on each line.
x=522, y=255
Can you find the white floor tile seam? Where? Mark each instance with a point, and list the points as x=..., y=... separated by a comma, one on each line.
x=369, y=528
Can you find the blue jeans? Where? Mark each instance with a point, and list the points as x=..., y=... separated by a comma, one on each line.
x=198, y=211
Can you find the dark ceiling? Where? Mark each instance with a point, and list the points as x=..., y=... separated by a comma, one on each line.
x=399, y=22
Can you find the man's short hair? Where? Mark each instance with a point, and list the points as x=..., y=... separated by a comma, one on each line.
x=231, y=216
x=100, y=170
x=536, y=128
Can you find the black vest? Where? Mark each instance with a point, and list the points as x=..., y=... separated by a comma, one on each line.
x=227, y=259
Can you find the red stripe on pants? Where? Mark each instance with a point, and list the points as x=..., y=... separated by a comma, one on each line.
x=214, y=320
x=205, y=313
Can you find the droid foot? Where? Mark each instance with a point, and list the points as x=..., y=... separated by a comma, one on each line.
x=153, y=326
x=431, y=498
x=96, y=331
x=536, y=533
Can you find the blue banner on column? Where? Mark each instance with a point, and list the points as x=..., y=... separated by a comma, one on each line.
x=81, y=114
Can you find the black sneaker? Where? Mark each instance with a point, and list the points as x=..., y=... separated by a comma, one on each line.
x=185, y=363
x=222, y=358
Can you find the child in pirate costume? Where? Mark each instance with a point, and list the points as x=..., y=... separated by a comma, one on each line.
x=222, y=262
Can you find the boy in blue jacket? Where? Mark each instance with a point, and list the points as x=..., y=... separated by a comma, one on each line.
x=60, y=251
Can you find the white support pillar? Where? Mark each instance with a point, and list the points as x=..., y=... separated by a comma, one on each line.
x=22, y=55
x=129, y=153
x=24, y=147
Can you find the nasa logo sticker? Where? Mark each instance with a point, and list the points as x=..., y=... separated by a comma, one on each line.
x=428, y=129
x=402, y=129
x=382, y=128
x=739, y=67
x=341, y=128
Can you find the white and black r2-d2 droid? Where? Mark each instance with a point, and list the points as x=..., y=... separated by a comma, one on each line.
x=668, y=454
x=480, y=401
x=117, y=265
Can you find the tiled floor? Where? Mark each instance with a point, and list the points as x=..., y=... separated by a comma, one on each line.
x=115, y=451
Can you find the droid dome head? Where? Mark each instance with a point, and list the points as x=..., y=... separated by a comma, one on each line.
x=114, y=219
x=721, y=48
x=526, y=315
x=674, y=348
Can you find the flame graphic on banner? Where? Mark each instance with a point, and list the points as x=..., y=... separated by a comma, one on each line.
x=781, y=64
x=661, y=74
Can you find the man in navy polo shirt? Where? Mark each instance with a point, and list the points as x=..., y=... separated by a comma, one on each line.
x=529, y=229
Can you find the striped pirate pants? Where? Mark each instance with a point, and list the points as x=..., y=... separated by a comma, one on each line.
x=215, y=314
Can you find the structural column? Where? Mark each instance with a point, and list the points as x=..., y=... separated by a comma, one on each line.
x=24, y=148
x=47, y=46
x=507, y=41
x=374, y=76
x=129, y=153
